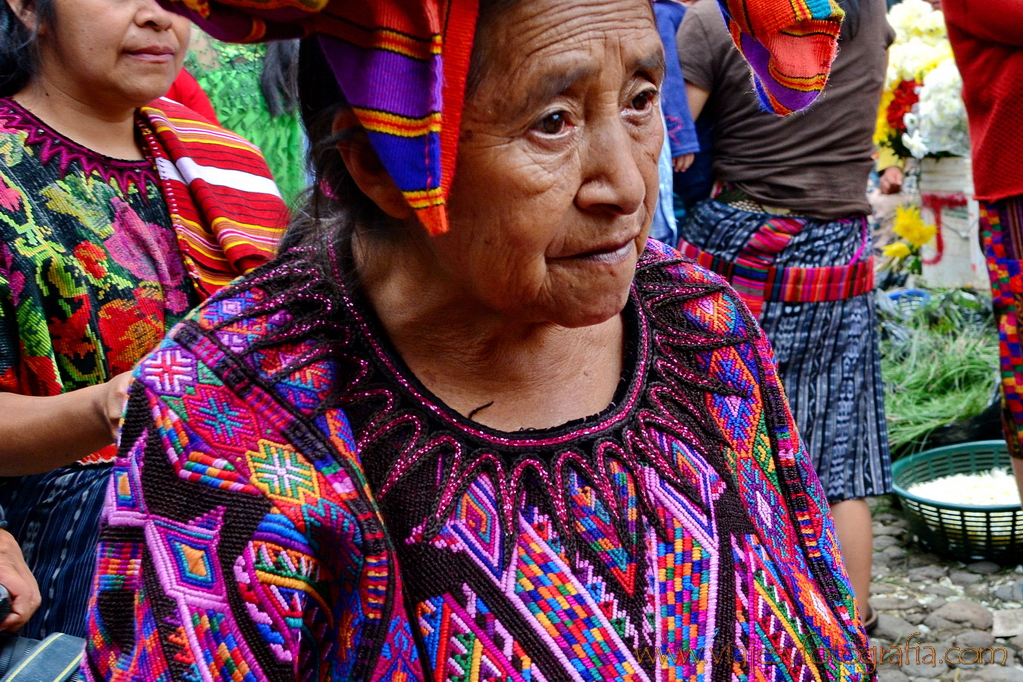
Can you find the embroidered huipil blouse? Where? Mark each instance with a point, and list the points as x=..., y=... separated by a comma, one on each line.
x=90, y=274
x=290, y=503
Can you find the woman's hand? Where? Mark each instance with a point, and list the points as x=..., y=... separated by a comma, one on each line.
x=891, y=180
x=682, y=163
x=15, y=576
x=40, y=434
x=110, y=402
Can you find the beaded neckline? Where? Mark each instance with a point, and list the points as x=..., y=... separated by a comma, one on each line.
x=629, y=388
x=51, y=146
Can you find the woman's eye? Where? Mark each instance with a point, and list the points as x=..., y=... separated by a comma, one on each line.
x=552, y=125
x=643, y=100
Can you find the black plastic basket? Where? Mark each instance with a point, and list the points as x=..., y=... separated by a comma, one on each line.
x=960, y=531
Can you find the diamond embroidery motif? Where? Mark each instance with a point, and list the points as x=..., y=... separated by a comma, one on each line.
x=222, y=419
x=194, y=563
x=184, y=554
x=282, y=473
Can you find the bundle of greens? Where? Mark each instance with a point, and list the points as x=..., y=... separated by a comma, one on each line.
x=939, y=361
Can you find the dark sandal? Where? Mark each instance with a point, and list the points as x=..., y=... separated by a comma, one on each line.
x=870, y=624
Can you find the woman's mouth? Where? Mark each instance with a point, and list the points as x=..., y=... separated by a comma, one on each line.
x=609, y=256
x=155, y=54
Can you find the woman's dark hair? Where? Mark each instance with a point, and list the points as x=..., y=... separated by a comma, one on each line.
x=279, y=81
x=335, y=206
x=19, y=57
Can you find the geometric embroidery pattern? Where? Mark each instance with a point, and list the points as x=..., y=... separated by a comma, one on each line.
x=171, y=370
x=282, y=473
x=315, y=517
x=999, y=222
x=186, y=556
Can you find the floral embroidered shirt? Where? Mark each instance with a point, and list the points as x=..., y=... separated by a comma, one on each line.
x=91, y=277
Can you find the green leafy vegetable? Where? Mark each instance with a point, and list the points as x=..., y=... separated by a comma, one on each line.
x=939, y=364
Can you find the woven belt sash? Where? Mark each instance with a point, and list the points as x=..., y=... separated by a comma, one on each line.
x=759, y=283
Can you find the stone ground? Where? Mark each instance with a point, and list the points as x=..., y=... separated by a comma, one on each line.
x=963, y=611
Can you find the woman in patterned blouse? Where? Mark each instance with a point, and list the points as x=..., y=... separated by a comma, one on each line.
x=94, y=268
x=478, y=428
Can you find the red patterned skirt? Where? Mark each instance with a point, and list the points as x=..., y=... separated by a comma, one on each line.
x=1001, y=231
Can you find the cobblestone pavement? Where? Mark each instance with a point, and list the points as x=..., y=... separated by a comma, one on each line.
x=966, y=619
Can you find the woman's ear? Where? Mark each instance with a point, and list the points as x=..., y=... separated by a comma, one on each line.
x=366, y=169
x=26, y=15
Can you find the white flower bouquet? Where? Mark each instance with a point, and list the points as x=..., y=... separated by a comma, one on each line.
x=922, y=112
x=937, y=124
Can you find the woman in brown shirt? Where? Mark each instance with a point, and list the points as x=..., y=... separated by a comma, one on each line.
x=787, y=225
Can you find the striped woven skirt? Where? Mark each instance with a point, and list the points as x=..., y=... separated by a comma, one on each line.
x=810, y=283
x=55, y=518
x=1001, y=231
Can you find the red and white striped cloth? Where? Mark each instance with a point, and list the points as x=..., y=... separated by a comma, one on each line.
x=224, y=204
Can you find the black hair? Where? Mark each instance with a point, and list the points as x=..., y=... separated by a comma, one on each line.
x=19, y=56
x=334, y=206
x=279, y=81
x=489, y=12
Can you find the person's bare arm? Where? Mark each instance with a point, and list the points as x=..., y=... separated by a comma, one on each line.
x=697, y=97
x=15, y=576
x=40, y=434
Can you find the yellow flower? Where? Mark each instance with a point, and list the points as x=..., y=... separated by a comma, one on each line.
x=897, y=250
x=909, y=225
x=882, y=130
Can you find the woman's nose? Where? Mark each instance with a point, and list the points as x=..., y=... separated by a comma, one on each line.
x=150, y=13
x=613, y=170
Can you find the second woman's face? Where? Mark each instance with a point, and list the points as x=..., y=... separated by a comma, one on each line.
x=116, y=53
x=556, y=183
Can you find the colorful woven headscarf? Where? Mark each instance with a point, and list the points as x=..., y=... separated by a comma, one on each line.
x=790, y=45
x=402, y=65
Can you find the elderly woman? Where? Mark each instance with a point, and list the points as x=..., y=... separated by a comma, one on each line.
x=118, y=215
x=473, y=425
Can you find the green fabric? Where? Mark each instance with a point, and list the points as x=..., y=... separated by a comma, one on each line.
x=230, y=76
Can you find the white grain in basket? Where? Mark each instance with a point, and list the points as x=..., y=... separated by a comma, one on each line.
x=986, y=488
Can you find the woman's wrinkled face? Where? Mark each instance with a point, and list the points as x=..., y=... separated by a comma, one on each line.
x=556, y=182
x=119, y=52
